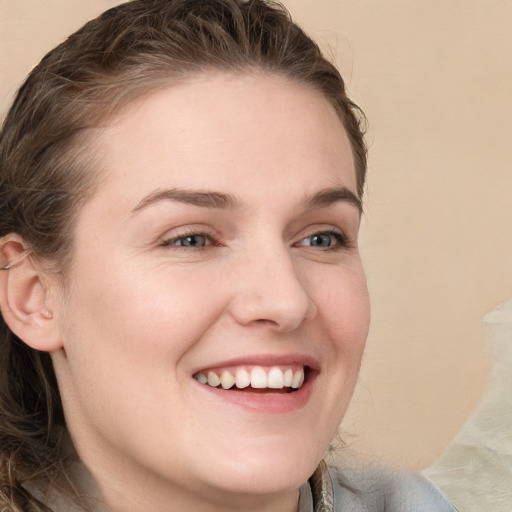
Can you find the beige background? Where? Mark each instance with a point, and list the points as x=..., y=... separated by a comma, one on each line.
x=435, y=79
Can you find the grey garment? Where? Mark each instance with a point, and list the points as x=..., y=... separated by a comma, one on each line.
x=370, y=490
x=305, y=498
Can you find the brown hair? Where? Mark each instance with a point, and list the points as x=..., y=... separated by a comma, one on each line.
x=46, y=172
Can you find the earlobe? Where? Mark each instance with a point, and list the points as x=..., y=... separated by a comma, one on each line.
x=24, y=298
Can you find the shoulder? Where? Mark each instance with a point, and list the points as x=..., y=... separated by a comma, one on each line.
x=377, y=489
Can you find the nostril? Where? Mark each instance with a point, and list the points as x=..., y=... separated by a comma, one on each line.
x=264, y=321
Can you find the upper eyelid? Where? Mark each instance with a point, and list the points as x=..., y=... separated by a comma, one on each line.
x=321, y=228
x=216, y=237
x=341, y=238
x=186, y=231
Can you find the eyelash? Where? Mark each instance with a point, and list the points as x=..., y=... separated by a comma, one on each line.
x=171, y=242
x=340, y=241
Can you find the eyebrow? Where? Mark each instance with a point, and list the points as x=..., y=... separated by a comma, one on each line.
x=329, y=196
x=223, y=201
x=204, y=199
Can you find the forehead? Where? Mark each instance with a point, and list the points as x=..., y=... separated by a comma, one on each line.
x=225, y=130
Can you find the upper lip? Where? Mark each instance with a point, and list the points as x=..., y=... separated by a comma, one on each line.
x=263, y=360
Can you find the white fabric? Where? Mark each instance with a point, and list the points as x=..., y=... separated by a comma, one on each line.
x=475, y=472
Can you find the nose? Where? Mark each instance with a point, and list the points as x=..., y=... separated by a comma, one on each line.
x=270, y=291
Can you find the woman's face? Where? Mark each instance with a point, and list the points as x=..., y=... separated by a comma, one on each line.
x=221, y=243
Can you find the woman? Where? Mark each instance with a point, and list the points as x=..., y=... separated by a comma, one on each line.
x=184, y=303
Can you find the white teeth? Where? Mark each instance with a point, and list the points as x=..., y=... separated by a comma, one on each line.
x=227, y=380
x=202, y=378
x=213, y=379
x=298, y=379
x=257, y=378
x=242, y=379
x=275, y=378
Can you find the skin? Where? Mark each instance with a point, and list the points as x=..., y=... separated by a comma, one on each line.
x=142, y=313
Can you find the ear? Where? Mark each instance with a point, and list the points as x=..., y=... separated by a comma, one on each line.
x=25, y=296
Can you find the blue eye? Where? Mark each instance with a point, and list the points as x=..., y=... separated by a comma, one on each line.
x=195, y=241
x=324, y=240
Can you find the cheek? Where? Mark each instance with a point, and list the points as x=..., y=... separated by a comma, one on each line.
x=127, y=342
x=136, y=323
x=345, y=310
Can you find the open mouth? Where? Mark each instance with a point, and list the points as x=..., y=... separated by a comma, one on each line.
x=256, y=379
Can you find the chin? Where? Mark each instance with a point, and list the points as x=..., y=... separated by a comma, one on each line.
x=271, y=466
x=267, y=480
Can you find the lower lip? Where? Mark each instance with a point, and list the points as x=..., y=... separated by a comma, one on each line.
x=265, y=403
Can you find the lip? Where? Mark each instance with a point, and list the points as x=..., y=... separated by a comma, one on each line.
x=269, y=402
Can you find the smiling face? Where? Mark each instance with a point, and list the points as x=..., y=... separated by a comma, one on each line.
x=220, y=250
